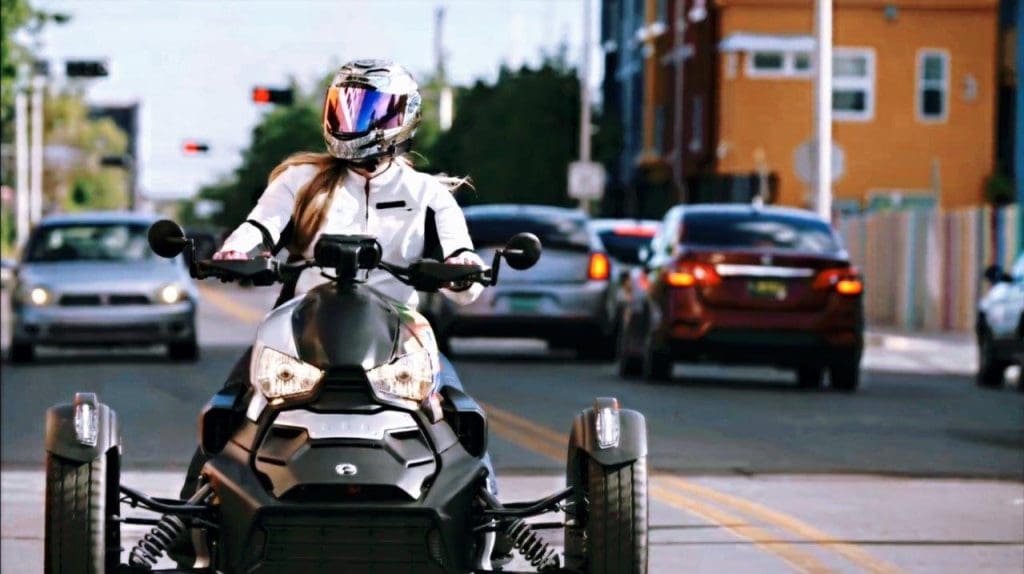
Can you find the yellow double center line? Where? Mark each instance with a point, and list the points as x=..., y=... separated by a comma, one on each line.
x=706, y=503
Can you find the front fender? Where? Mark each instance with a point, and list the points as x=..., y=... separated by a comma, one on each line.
x=632, y=442
x=62, y=441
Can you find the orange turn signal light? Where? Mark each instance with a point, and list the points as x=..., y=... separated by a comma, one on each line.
x=599, y=268
x=849, y=287
x=680, y=279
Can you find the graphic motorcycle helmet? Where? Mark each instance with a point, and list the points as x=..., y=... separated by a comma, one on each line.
x=371, y=110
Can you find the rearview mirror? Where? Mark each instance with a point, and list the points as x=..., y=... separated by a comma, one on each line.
x=995, y=274
x=166, y=238
x=522, y=251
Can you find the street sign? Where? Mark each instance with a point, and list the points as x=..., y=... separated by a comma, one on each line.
x=804, y=160
x=86, y=69
x=586, y=180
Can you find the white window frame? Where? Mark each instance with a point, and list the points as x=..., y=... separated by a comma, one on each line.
x=788, y=66
x=866, y=84
x=921, y=84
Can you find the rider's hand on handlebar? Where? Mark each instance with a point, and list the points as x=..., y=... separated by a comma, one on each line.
x=229, y=256
x=464, y=258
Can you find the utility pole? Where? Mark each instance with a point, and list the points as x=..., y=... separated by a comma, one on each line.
x=444, y=92
x=21, y=202
x=36, y=159
x=823, y=108
x=585, y=96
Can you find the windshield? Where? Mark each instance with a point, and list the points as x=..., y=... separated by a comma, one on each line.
x=624, y=248
x=554, y=232
x=759, y=231
x=90, y=242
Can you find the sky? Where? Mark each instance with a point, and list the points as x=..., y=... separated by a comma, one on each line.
x=193, y=63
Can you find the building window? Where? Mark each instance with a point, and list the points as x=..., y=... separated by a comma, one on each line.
x=777, y=64
x=853, y=84
x=932, y=85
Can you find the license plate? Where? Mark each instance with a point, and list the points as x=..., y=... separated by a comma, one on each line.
x=767, y=289
x=523, y=304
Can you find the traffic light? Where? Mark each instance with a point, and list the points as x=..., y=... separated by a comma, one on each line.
x=195, y=148
x=264, y=95
x=86, y=69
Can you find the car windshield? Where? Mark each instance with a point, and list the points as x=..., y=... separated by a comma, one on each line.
x=625, y=247
x=758, y=230
x=90, y=242
x=553, y=232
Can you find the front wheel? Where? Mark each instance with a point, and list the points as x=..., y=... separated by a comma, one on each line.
x=844, y=372
x=81, y=499
x=608, y=531
x=183, y=350
x=22, y=352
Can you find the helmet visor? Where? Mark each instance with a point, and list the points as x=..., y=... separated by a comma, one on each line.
x=353, y=111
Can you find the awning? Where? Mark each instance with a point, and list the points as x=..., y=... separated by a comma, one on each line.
x=750, y=42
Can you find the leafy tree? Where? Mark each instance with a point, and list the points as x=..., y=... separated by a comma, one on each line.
x=515, y=137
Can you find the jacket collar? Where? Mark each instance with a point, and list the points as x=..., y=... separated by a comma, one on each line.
x=377, y=181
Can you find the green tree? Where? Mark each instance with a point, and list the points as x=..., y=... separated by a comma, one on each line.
x=515, y=137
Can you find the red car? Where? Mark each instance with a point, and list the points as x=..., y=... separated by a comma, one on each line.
x=742, y=284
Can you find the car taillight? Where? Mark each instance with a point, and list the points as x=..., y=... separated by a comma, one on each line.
x=599, y=268
x=691, y=274
x=845, y=281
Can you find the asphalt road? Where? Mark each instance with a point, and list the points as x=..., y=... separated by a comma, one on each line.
x=918, y=472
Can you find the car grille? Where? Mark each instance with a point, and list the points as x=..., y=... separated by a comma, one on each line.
x=351, y=542
x=80, y=332
x=97, y=300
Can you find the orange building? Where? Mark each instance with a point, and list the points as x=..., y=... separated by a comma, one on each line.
x=913, y=97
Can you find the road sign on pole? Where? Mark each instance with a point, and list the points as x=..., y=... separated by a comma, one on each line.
x=586, y=180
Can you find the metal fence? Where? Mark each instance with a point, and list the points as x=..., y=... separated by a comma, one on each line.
x=923, y=267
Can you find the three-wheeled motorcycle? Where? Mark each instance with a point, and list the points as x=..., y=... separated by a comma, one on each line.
x=354, y=449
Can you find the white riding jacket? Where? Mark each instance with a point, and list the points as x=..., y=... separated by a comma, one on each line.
x=391, y=205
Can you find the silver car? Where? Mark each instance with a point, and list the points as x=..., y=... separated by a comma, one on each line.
x=91, y=279
x=565, y=299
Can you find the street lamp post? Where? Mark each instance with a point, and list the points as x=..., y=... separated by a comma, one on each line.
x=22, y=211
x=36, y=159
x=823, y=108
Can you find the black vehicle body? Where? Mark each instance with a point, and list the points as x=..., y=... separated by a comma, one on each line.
x=341, y=479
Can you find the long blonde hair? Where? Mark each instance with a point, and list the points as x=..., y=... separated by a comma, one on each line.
x=314, y=199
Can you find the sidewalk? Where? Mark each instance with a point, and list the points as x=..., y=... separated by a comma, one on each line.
x=889, y=349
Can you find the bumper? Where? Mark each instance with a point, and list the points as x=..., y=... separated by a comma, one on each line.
x=130, y=324
x=263, y=534
x=766, y=337
x=541, y=311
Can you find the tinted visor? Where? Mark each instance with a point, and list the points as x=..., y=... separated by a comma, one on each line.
x=353, y=111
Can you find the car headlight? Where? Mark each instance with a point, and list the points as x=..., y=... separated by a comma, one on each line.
x=36, y=296
x=171, y=294
x=280, y=377
x=410, y=377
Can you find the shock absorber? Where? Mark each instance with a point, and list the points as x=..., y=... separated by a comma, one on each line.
x=535, y=549
x=159, y=538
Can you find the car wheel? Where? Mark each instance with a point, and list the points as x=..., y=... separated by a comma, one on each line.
x=810, y=377
x=991, y=369
x=183, y=350
x=657, y=364
x=22, y=352
x=844, y=373
x=598, y=348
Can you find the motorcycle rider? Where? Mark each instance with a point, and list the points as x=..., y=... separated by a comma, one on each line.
x=363, y=185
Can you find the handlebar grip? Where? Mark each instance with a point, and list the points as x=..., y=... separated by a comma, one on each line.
x=261, y=271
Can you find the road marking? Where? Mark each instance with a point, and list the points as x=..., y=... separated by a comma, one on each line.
x=788, y=523
x=539, y=438
x=739, y=527
x=224, y=303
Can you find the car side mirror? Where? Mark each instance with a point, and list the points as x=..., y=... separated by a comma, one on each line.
x=522, y=251
x=167, y=238
x=995, y=274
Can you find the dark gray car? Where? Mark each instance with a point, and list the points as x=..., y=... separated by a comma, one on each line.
x=566, y=299
x=91, y=279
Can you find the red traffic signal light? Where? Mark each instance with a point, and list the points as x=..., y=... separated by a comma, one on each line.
x=193, y=148
x=264, y=95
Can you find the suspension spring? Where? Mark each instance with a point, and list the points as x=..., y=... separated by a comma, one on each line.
x=535, y=549
x=156, y=542
x=162, y=535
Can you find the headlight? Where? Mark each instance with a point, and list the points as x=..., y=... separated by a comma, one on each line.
x=280, y=377
x=37, y=296
x=171, y=294
x=410, y=377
